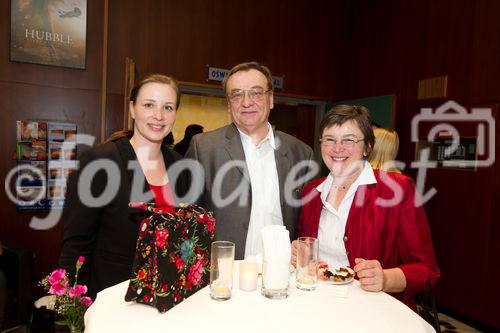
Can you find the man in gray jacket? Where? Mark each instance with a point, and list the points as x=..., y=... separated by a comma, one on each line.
x=249, y=175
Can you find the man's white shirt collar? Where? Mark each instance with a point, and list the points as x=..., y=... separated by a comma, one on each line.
x=270, y=136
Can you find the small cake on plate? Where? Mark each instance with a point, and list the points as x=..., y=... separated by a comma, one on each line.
x=338, y=275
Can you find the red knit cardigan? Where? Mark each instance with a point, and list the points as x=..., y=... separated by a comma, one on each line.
x=396, y=235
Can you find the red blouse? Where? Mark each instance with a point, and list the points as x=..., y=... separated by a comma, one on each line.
x=396, y=236
x=164, y=197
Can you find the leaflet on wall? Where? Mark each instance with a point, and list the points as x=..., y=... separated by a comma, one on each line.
x=61, y=159
x=31, y=185
x=46, y=154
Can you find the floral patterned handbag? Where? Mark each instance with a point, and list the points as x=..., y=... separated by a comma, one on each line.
x=172, y=255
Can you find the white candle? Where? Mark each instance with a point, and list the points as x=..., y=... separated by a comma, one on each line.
x=248, y=275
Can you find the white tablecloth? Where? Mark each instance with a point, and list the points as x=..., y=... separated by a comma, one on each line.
x=330, y=308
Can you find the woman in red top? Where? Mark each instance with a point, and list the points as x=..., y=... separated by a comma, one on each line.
x=369, y=220
x=104, y=228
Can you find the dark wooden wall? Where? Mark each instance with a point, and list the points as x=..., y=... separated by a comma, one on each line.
x=295, y=39
x=30, y=91
x=299, y=40
x=393, y=44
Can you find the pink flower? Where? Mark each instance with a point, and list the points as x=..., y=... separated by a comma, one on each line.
x=58, y=288
x=70, y=300
x=56, y=276
x=77, y=291
x=195, y=272
x=79, y=262
x=161, y=238
x=87, y=301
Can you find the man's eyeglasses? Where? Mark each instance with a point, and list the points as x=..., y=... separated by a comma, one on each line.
x=346, y=143
x=255, y=94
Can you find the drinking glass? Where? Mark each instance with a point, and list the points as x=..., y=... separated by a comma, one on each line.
x=221, y=270
x=307, y=263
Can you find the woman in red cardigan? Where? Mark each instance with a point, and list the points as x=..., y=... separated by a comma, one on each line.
x=369, y=220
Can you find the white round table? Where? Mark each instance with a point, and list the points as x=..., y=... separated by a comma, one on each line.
x=329, y=308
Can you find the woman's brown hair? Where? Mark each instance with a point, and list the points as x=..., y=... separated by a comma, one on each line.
x=340, y=114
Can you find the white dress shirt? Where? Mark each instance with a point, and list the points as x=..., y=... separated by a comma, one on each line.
x=266, y=209
x=332, y=221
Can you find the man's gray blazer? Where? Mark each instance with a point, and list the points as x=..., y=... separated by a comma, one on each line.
x=213, y=150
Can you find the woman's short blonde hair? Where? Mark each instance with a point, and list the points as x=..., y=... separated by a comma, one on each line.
x=385, y=150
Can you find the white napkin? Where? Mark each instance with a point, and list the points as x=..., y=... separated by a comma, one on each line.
x=276, y=244
x=277, y=252
x=48, y=301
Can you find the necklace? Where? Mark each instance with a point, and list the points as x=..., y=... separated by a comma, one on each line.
x=338, y=187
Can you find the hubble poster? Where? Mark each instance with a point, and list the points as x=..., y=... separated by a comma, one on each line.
x=49, y=32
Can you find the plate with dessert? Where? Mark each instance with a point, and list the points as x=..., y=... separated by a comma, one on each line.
x=339, y=275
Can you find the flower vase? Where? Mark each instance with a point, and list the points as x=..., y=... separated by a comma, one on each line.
x=74, y=329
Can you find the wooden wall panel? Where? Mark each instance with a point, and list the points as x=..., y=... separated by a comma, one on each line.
x=30, y=91
x=296, y=120
x=398, y=42
x=485, y=50
x=492, y=268
x=299, y=40
x=306, y=117
x=459, y=228
x=52, y=76
x=114, y=113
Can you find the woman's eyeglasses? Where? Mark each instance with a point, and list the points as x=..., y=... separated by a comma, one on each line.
x=346, y=143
